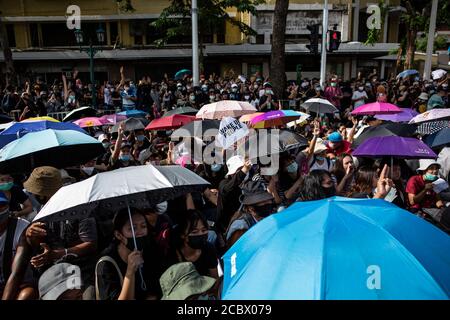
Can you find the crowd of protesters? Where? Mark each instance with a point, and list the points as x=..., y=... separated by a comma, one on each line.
x=181, y=241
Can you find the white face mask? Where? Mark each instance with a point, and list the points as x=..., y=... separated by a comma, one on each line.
x=88, y=170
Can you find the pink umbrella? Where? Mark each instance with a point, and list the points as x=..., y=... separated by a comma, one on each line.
x=88, y=122
x=112, y=119
x=225, y=108
x=376, y=108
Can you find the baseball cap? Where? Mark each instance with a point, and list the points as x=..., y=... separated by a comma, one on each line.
x=335, y=137
x=102, y=137
x=234, y=163
x=424, y=164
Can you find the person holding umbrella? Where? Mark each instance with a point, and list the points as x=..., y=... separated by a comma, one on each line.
x=420, y=187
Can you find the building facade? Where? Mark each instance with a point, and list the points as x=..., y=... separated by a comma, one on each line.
x=43, y=45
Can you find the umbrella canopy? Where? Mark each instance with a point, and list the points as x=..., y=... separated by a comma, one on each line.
x=79, y=113
x=44, y=118
x=138, y=186
x=19, y=129
x=225, y=108
x=89, y=122
x=407, y=73
x=338, y=249
x=248, y=117
x=57, y=148
x=170, y=122
x=383, y=130
x=181, y=73
x=437, y=74
x=438, y=139
x=302, y=119
x=112, y=119
x=431, y=127
x=5, y=126
x=432, y=115
x=397, y=147
x=133, y=113
x=405, y=115
x=131, y=124
x=5, y=119
x=181, y=110
x=376, y=108
x=319, y=105
x=277, y=141
x=274, y=118
x=200, y=129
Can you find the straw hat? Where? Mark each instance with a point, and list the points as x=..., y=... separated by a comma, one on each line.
x=320, y=146
x=44, y=181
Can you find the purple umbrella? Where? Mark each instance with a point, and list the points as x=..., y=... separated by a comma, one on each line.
x=376, y=108
x=395, y=147
x=406, y=115
x=112, y=119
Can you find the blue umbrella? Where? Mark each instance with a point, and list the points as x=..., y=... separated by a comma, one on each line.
x=438, y=139
x=339, y=248
x=133, y=113
x=20, y=129
x=57, y=148
x=180, y=74
x=407, y=73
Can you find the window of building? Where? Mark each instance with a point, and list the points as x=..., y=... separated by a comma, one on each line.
x=259, y=39
x=11, y=35
x=113, y=32
x=34, y=35
x=56, y=34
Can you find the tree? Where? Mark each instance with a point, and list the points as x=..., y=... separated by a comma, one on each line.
x=10, y=75
x=440, y=43
x=174, y=21
x=415, y=20
x=277, y=59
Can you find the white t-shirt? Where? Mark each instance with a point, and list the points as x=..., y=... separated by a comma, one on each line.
x=357, y=95
x=21, y=226
x=107, y=94
x=327, y=165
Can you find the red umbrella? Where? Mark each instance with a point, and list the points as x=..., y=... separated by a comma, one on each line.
x=170, y=122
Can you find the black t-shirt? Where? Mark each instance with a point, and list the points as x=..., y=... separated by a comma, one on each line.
x=207, y=260
x=18, y=197
x=109, y=285
x=116, y=164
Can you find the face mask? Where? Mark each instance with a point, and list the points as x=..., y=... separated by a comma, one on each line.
x=430, y=177
x=320, y=158
x=333, y=84
x=234, y=90
x=88, y=170
x=198, y=242
x=71, y=99
x=329, y=192
x=192, y=98
x=4, y=215
x=269, y=92
x=106, y=145
x=141, y=242
x=255, y=86
x=211, y=97
x=247, y=97
x=360, y=88
x=292, y=168
x=125, y=157
x=265, y=210
x=140, y=138
x=216, y=167
x=6, y=186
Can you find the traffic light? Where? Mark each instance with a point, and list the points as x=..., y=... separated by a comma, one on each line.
x=313, y=45
x=334, y=40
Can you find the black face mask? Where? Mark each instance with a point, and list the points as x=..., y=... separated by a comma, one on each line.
x=329, y=192
x=141, y=242
x=198, y=242
x=265, y=210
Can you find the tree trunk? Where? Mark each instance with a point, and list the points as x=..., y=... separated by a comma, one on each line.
x=277, y=59
x=410, y=48
x=10, y=75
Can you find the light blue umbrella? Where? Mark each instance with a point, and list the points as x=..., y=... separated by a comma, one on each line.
x=133, y=113
x=181, y=73
x=19, y=129
x=57, y=148
x=339, y=248
x=407, y=73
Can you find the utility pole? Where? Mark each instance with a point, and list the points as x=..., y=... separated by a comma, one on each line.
x=431, y=29
x=323, y=62
x=195, y=71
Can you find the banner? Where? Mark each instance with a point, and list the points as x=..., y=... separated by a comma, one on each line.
x=230, y=131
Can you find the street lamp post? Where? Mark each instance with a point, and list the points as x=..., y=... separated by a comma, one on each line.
x=91, y=51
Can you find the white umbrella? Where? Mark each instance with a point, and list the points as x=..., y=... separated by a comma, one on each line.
x=225, y=108
x=432, y=115
x=319, y=105
x=437, y=74
x=302, y=119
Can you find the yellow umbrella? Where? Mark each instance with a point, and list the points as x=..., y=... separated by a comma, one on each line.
x=249, y=117
x=45, y=118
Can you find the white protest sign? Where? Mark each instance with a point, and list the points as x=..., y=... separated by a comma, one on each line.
x=231, y=131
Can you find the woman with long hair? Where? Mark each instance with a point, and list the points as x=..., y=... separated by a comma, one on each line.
x=317, y=185
x=344, y=173
x=368, y=184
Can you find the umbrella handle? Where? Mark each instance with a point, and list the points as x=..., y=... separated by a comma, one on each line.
x=143, y=285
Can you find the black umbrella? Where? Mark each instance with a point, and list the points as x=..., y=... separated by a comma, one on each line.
x=131, y=124
x=181, y=110
x=388, y=129
x=200, y=129
x=261, y=144
x=80, y=113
